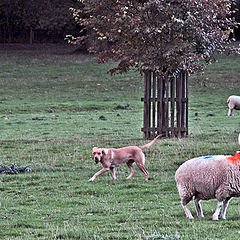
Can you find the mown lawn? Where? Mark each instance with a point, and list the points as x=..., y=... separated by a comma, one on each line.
x=51, y=105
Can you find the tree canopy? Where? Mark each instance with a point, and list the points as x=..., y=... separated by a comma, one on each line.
x=158, y=35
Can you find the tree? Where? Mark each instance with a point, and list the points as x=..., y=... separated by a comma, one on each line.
x=10, y=17
x=26, y=17
x=236, y=15
x=164, y=39
x=163, y=36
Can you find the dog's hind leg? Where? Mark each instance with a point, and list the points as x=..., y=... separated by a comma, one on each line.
x=140, y=160
x=143, y=169
x=133, y=171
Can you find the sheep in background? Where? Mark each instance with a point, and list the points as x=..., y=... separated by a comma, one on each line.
x=209, y=177
x=233, y=103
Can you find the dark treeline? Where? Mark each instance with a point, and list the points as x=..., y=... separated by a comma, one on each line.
x=34, y=21
x=29, y=21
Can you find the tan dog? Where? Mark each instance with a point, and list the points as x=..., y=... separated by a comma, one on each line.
x=111, y=158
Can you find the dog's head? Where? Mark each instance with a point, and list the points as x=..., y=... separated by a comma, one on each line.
x=98, y=154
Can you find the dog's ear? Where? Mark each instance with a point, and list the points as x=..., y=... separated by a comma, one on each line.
x=104, y=151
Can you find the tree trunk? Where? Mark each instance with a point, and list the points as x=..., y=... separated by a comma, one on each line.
x=31, y=37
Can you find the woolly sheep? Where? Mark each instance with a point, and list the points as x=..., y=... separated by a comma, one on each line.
x=233, y=103
x=209, y=177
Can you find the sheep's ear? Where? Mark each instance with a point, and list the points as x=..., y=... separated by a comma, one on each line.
x=239, y=139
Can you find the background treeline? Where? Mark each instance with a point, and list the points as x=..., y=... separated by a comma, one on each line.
x=35, y=21
x=28, y=21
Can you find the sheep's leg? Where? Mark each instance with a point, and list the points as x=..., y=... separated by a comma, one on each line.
x=186, y=210
x=215, y=215
x=225, y=205
x=230, y=112
x=185, y=199
x=198, y=208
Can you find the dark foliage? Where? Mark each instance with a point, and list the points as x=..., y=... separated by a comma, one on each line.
x=158, y=35
x=31, y=20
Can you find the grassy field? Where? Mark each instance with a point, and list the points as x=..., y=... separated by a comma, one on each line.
x=51, y=105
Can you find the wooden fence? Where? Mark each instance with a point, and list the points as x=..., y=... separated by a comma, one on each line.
x=165, y=105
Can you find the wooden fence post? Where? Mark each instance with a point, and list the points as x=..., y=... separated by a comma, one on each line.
x=147, y=104
x=165, y=105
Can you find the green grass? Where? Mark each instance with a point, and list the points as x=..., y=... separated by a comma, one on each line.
x=50, y=104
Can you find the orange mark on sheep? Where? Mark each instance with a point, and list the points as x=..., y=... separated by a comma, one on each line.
x=234, y=159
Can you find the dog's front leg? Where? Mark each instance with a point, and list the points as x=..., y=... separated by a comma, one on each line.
x=98, y=174
x=113, y=173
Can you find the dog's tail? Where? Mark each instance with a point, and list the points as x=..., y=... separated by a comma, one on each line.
x=151, y=143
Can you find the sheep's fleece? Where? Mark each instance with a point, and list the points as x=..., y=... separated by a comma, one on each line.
x=233, y=103
x=207, y=178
